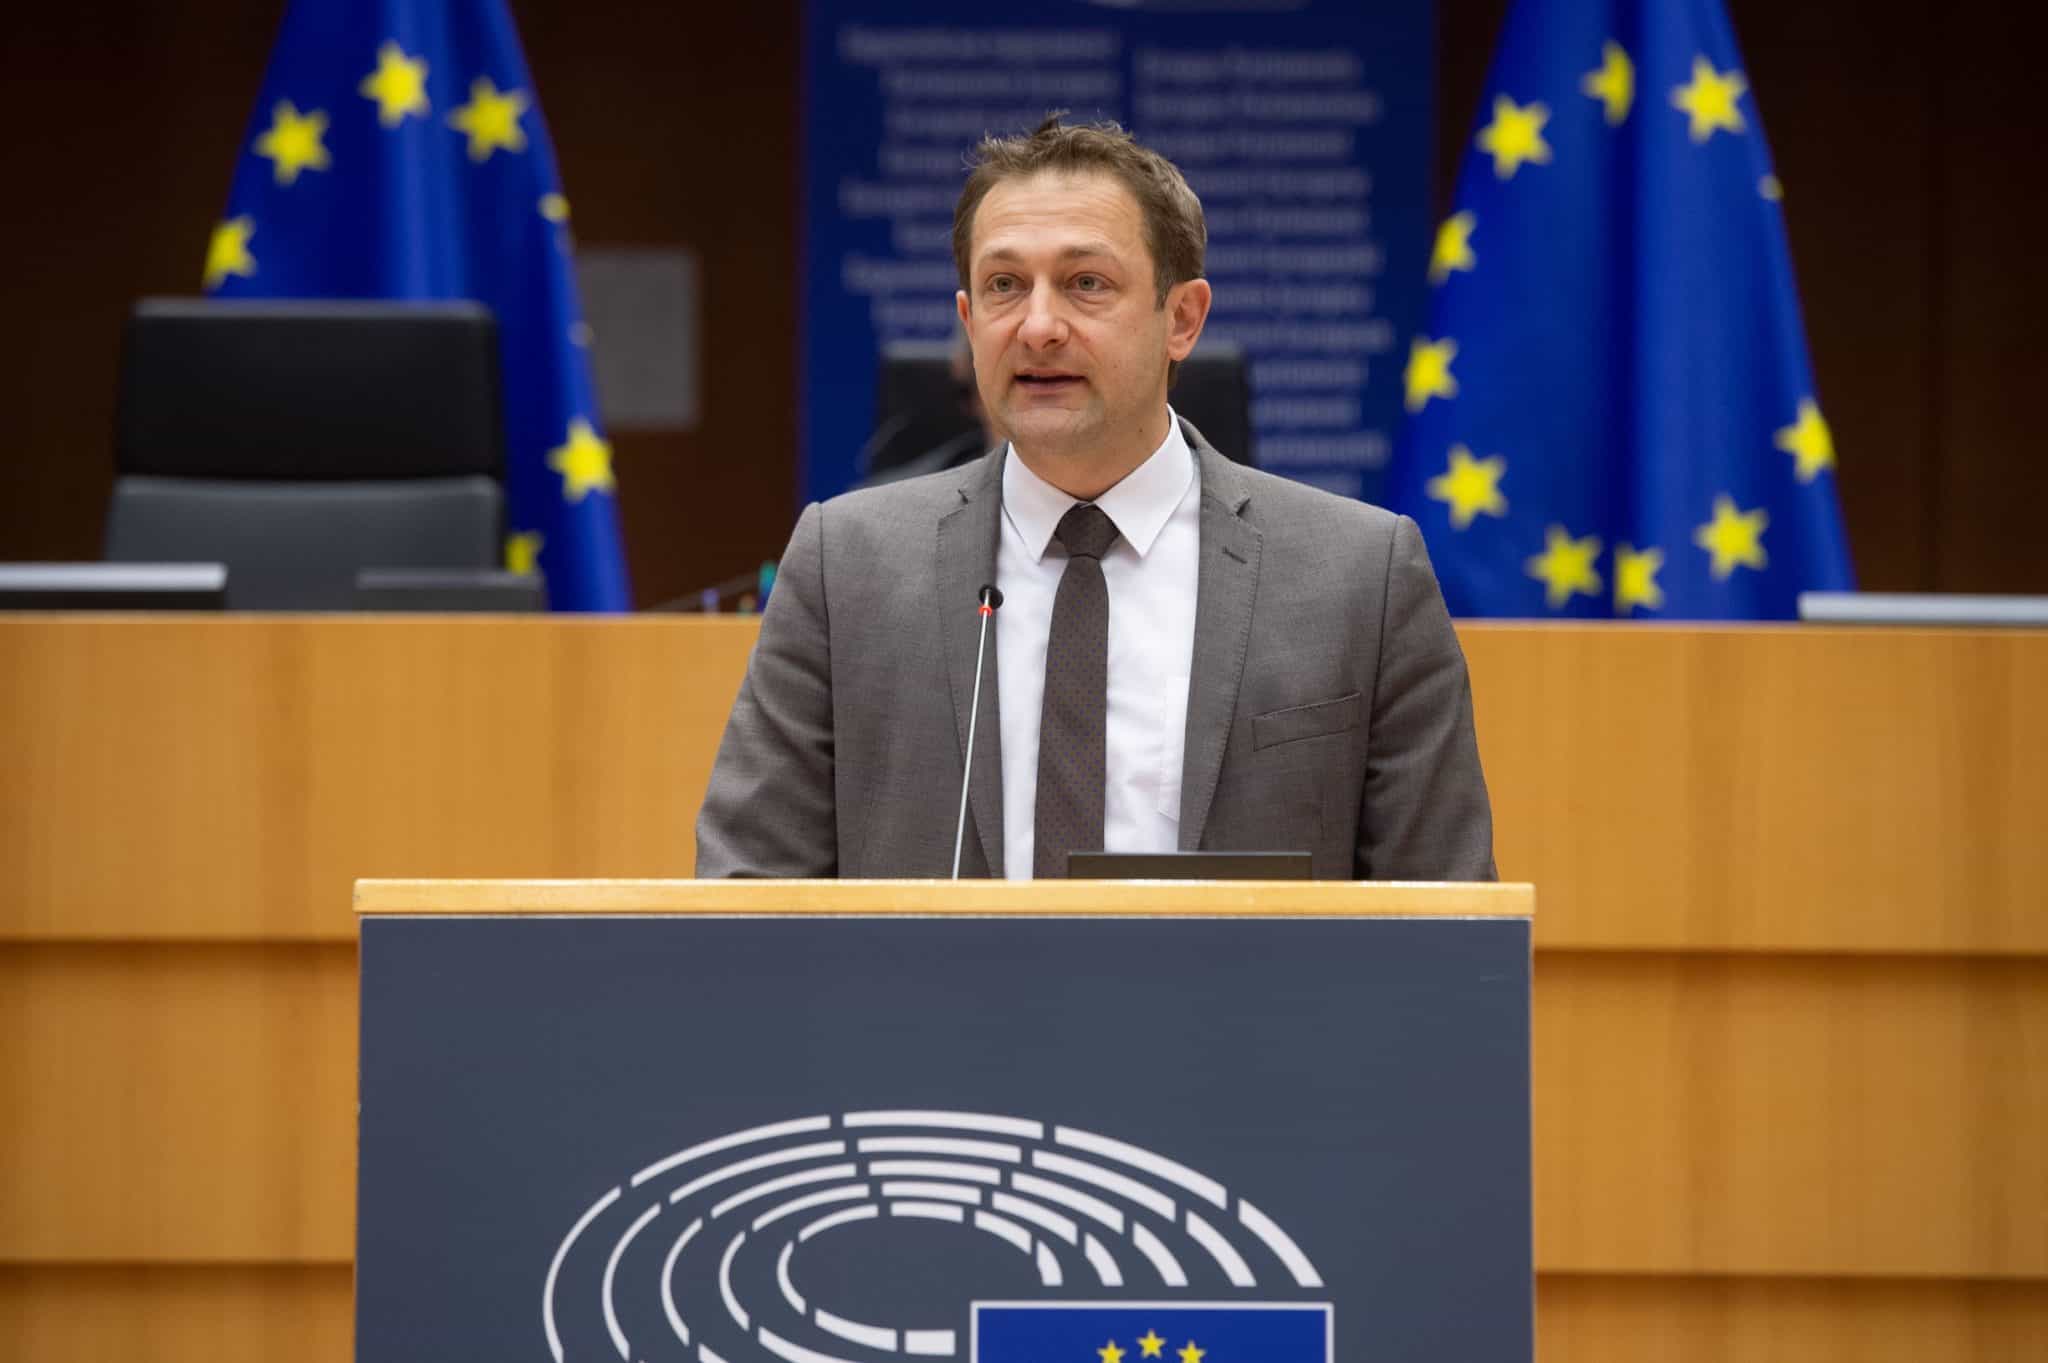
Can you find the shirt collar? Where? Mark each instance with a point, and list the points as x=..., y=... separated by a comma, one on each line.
x=1139, y=506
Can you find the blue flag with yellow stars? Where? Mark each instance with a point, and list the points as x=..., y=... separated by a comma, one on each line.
x=1611, y=412
x=1131, y=1332
x=397, y=151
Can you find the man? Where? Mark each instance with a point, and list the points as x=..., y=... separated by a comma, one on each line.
x=1190, y=654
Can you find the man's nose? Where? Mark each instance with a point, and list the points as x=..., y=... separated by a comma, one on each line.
x=1045, y=322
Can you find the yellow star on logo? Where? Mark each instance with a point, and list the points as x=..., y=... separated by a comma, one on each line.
x=585, y=462
x=522, y=551
x=554, y=208
x=1565, y=566
x=228, y=252
x=1515, y=136
x=1808, y=441
x=491, y=119
x=1709, y=100
x=1470, y=486
x=1150, y=1345
x=1635, y=579
x=1735, y=538
x=1614, y=84
x=1109, y=1353
x=293, y=142
x=1191, y=1354
x=1428, y=374
x=1453, y=249
x=399, y=85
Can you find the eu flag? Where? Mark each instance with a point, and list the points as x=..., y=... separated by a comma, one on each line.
x=1131, y=1332
x=1611, y=412
x=397, y=151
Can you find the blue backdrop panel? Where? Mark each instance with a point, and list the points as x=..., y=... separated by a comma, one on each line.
x=749, y=1139
x=1304, y=127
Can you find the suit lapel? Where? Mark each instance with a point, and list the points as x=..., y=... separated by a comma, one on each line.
x=1226, y=583
x=966, y=559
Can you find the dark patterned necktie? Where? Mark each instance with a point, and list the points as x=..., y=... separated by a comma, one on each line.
x=1071, y=742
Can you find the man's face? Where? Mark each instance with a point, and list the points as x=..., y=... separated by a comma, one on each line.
x=1070, y=348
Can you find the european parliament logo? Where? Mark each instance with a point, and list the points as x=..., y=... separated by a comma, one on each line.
x=1131, y=1332
x=741, y=1249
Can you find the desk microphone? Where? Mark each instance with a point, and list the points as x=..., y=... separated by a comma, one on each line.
x=990, y=598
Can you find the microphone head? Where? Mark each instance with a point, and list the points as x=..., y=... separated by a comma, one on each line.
x=990, y=597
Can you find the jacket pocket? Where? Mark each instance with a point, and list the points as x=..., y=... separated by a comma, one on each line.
x=1305, y=721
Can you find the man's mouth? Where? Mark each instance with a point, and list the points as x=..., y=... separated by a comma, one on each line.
x=1046, y=381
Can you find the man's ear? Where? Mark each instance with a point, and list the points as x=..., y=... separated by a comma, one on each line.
x=960, y=306
x=1187, y=304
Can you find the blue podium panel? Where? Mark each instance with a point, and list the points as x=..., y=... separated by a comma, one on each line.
x=997, y=1140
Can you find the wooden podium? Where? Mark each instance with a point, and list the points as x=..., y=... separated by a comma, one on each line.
x=845, y=1122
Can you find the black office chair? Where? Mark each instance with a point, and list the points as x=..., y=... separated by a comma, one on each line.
x=306, y=443
x=923, y=422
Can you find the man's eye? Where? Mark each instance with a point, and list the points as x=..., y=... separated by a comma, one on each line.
x=1002, y=283
x=1088, y=283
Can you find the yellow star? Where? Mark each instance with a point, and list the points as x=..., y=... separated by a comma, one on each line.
x=293, y=142
x=1453, y=250
x=1109, y=1353
x=554, y=208
x=1515, y=136
x=1735, y=538
x=1565, y=566
x=491, y=119
x=1150, y=1345
x=1770, y=188
x=1635, y=579
x=1428, y=374
x=522, y=551
x=1709, y=100
x=1191, y=1354
x=585, y=462
x=1470, y=486
x=228, y=252
x=1614, y=84
x=399, y=85
x=1808, y=441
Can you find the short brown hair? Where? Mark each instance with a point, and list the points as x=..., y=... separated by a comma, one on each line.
x=1175, y=231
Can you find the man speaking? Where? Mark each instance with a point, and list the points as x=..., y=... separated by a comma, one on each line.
x=1188, y=655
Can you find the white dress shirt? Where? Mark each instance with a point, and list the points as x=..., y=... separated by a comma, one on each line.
x=1150, y=572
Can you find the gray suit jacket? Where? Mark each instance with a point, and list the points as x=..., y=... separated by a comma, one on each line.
x=1328, y=710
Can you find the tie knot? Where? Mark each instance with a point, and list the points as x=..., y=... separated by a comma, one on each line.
x=1086, y=531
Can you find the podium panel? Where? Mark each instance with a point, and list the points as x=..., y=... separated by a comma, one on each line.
x=983, y=1135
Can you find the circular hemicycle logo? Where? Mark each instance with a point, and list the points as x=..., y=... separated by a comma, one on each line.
x=1093, y=1217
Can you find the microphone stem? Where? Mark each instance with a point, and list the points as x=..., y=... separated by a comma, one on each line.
x=973, y=715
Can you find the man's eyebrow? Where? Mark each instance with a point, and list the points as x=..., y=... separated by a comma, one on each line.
x=1080, y=251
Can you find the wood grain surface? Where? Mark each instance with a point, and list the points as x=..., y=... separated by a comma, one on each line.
x=1791, y=1005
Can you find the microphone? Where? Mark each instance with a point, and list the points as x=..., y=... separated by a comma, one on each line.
x=990, y=598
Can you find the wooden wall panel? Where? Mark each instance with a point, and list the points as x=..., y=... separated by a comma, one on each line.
x=253, y=1314
x=1807, y=1115
x=1794, y=789
x=236, y=1313
x=1716, y=1114
x=1752, y=1320
x=1665, y=788
x=1792, y=977
x=233, y=777
x=177, y=1103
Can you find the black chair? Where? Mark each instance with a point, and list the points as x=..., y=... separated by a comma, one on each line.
x=301, y=443
x=923, y=420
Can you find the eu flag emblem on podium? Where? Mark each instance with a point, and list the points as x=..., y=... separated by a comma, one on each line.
x=1611, y=413
x=1131, y=1332
x=397, y=151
